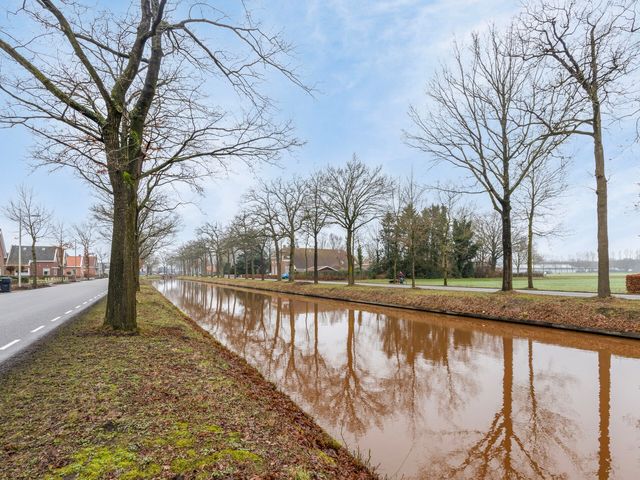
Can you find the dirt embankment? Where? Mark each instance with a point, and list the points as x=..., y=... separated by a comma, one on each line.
x=612, y=316
x=169, y=402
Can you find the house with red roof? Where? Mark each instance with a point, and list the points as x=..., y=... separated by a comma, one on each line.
x=81, y=266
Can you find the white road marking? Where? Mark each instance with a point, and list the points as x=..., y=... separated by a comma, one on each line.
x=9, y=344
x=55, y=319
x=39, y=328
x=78, y=306
x=84, y=303
x=68, y=312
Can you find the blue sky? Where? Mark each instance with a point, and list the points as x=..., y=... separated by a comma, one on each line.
x=369, y=62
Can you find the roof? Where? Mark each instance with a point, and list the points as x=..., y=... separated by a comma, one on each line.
x=74, y=261
x=77, y=261
x=43, y=254
x=328, y=259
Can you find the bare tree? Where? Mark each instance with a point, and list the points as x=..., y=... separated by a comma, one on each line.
x=335, y=241
x=479, y=121
x=449, y=198
x=591, y=47
x=85, y=235
x=246, y=237
x=33, y=219
x=213, y=234
x=157, y=230
x=61, y=235
x=544, y=185
x=488, y=229
x=315, y=215
x=520, y=249
x=410, y=220
x=290, y=202
x=263, y=206
x=392, y=220
x=102, y=257
x=123, y=100
x=355, y=196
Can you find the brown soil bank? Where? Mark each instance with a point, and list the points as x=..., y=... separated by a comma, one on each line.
x=168, y=403
x=612, y=316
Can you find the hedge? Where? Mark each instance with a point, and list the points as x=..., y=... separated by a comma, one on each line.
x=633, y=283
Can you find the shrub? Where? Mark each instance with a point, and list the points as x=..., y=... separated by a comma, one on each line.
x=633, y=283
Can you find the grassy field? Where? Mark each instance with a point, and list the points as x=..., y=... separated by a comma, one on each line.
x=577, y=282
x=168, y=403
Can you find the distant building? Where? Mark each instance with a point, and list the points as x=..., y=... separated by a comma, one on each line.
x=555, y=267
x=77, y=266
x=329, y=260
x=48, y=261
x=3, y=254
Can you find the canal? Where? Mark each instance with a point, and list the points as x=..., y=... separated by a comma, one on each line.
x=435, y=396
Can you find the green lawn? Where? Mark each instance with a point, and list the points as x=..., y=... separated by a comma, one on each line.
x=576, y=282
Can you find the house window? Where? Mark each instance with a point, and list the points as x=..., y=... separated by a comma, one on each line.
x=45, y=272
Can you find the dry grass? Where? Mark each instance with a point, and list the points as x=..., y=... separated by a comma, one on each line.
x=167, y=403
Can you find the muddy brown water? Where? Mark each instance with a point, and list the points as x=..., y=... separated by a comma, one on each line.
x=434, y=396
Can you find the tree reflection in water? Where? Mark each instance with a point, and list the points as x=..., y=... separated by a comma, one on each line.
x=430, y=396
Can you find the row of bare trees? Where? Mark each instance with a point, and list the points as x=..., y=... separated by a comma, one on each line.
x=277, y=212
x=512, y=97
x=281, y=213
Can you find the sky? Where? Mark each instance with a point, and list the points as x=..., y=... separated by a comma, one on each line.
x=368, y=61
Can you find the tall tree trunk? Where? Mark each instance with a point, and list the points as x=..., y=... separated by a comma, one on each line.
x=604, y=288
x=278, y=264
x=530, y=248
x=507, y=247
x=246, y=265
x=121, y=299
x=350, y=273
x=34, y=269
x=235, y=265
x=292, y=252
x=315, y=258
x=395, y=262
x=445, y=265
x=413, y=265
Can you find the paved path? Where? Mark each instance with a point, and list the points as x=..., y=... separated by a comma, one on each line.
x=486, y=290
x=27, y=315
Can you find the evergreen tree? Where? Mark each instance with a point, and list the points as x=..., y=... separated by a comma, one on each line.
x=464, y=248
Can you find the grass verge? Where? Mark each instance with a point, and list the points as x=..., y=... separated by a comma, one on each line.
x=610, y=316
x=578, y=282
x=170, y=402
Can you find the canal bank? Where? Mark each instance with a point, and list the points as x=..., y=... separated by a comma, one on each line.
x=437, y=396
x=613, y=316
x=170, y=402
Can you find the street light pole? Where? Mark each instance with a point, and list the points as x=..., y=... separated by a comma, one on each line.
x=20, y=249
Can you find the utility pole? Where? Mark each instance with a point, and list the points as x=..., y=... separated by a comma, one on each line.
x=20, y=249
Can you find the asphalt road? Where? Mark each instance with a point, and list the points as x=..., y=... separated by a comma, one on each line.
x=27, y=315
